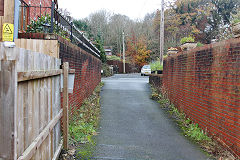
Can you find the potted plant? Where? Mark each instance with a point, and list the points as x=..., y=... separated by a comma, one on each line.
x=188, y=43
x=236, y=27
x=172, y=51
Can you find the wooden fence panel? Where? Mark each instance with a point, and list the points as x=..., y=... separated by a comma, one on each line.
x=38, y=104
x=49, y=47
x=30, y=105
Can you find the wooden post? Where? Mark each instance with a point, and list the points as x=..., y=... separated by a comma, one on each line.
x=8, y=103
x=65, y=105
x=9, y=11
x=124, y=61
x=162, y=34
x=8, y=14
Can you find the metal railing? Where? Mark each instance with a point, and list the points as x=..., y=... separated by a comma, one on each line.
x=23, y=16
x=32, y=13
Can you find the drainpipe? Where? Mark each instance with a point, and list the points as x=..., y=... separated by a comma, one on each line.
x=16, y=18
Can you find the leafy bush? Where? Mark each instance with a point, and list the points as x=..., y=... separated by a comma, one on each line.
x=199, y=44
x=187, y=39
x=156, y=66
x=38, y=25
x=113, y=57
x=99, y=46
x=196, y=133
x=106, y=70
x=236, y=21
x=82, y=25
x=42, y=22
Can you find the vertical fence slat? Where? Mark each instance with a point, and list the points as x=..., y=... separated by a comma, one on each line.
x=8, y=96
x=21, y=104
x=65, y=104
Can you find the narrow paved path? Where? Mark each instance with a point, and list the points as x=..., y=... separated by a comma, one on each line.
x=133, y=127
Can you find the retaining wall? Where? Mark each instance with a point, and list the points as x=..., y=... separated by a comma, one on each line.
x=87, y=66
x=205, y=84
x=87, y=71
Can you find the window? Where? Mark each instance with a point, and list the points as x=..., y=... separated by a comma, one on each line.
x=146, y=67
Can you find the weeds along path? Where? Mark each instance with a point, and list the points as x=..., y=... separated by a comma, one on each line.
x=83, y=126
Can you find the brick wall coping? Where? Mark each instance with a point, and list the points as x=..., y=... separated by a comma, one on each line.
x=207, y=46
x=156, y=75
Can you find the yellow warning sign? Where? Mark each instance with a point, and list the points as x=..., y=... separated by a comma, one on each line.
x=8, y=30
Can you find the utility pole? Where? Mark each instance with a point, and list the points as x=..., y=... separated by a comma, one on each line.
x=124, y=71
x=162, y=33
x=120, y=52
x=119, y=41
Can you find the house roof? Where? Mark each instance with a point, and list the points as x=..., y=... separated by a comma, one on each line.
x=107, y=50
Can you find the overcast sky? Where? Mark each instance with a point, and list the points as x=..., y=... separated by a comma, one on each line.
x=135, y=9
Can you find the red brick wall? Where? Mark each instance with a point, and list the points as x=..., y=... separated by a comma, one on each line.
x=87, y=72
x=205, y=84
x=35, y=12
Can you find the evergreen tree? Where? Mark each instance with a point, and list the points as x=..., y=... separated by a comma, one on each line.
x=99, y=46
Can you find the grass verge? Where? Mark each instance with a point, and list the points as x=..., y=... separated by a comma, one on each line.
x=191, y=129
x=83, y=125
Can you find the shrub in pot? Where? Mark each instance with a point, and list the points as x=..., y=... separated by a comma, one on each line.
x=156, y=67
x=172, y=51
x=188, y=43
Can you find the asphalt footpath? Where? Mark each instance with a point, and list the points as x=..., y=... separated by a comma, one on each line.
x=133, y=127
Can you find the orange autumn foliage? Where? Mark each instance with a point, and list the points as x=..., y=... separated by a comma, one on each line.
x=137, y=51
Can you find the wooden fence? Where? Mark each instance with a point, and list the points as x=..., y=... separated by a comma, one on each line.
x=30, y=105
x=49, y=47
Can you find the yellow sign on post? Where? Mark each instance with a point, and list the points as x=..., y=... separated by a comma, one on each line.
x=8, y=30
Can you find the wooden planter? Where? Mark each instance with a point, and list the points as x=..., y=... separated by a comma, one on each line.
x=188, y=46
x=236, y=29
x=47, y=36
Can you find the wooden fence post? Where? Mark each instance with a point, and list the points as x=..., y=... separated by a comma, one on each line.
x=65, y=104
x=8, y=103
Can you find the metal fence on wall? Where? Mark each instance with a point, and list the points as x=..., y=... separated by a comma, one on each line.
x=29, y=13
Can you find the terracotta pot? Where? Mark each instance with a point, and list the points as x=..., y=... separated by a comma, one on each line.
x=236, y=29
x=188, y=46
